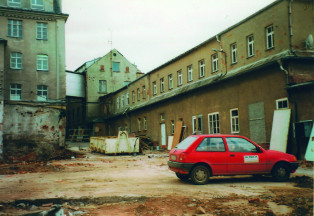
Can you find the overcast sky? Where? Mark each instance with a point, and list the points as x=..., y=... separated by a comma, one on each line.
x=147, y=32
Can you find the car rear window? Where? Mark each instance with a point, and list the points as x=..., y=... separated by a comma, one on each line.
x=186, y=143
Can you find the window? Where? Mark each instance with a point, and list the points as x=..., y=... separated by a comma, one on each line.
x=15, y=92
x=14, y=3
x=250, y=46
x=138, y=94
x=170, y=82
x=197, y=124
x=190, y=73
x=269, y=37
x=236, y=144
x=116, y=66
x=127, y=99
x=42, y=31
x=179, y=78
x=212, y=144
x=42, y=62
x=37, y=4
x=15, y=28
x=144, y=92
x=162, y=116
x=234, y=119
x=145, y=123
x=16, y=61
x=282, y=103
x=102, y=86
x=139, y=124
x=154, y=88
x=133, y=96
x=202, y=68
x=118, y=103
x=213, y=123
x=215, y=63
x=233, y=53
x=122, y=101
x=42, y=92
x=172, y=127
x=162, y=85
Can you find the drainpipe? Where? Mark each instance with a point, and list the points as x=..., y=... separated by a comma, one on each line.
x=290, y=26
x=57, y=61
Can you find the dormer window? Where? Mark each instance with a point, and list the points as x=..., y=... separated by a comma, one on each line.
x=14, y=3
x=37, y=4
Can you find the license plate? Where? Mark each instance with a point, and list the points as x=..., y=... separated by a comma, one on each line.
x=173, y=157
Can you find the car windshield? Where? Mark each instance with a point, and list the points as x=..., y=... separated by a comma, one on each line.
x=186, y=143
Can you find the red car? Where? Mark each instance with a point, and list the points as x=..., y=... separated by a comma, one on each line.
x=200, y=156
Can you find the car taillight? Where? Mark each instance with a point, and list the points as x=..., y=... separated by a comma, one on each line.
x=182, y=156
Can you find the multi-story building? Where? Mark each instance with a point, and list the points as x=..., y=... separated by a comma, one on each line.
x=32, y=36
x=231, y=83
x=102, y=76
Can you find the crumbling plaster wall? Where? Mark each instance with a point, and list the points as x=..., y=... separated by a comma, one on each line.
x=29, y=127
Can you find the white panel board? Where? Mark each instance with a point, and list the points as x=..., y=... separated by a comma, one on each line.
x=309, y=155
x=280, y=130
x=170, y=139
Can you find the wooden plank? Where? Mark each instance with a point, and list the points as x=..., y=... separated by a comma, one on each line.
x=177, y=134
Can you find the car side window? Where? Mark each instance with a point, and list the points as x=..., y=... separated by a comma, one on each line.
x=236, y=144
x=212, y=144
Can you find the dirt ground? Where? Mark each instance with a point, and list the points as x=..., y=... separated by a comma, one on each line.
x=96, y=184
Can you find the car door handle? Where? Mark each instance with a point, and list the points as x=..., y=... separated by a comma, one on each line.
x=232, y=155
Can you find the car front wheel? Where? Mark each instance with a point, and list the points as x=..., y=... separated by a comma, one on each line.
x=281, y=172
x=200, y=175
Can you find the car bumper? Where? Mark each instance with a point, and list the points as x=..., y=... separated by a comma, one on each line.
x=180, y=167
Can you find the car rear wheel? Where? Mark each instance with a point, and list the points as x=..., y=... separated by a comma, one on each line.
x=200, y=175
x=183, y=177
x=281, y=172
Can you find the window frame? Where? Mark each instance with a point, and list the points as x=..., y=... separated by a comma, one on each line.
x=190, y=73
x=214, y=63
x=270, y=37
x=170, y=82
x=17, y=89
x=122, y=101
x=15, y=28
x=102, y=83
x=213, y=124
x=41, y=31
x=172, y=127
x=144, y=92
x=234, y=121
x=118, y=102
x=162, y=85
x=41, y=60
x=233, y=50
x=116, y=67
x=250, y=45
x=127, y=99
x=180, y=80
x=154, y=88
x=145, y=123
x=281, y=100
x=36, y=5
x=139, y=122
x=201, y=64
x=40, y=93
x=16, y=62
x=138, y=94
x=14, y=3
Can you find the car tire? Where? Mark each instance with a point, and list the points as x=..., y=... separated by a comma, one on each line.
x=281, y=172
x=183, y=177
x=200, y=175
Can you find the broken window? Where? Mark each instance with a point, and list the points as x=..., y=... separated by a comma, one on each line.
x=233, y=53
x=116, y=66
x=37, y=4
x=42, y=92
x=42, y=31
x=213, y=123
x=16, y=61
x=103, y=86
x=179, y=78
x=202, y=68
x=234, y=119
x=215, y=63
x=15, y=92
x=14, y=3
x=197, y=124
x=250, y=46
x=269, y=37
x=190, y=73
x=162, y=85
x=15, y=28
x=42, y=62
x=170, y=80
x=282, y=103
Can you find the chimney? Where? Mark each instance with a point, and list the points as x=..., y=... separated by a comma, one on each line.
x=57, y=6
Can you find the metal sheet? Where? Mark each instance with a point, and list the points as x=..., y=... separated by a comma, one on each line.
x=280, y=129
x=309, y=155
